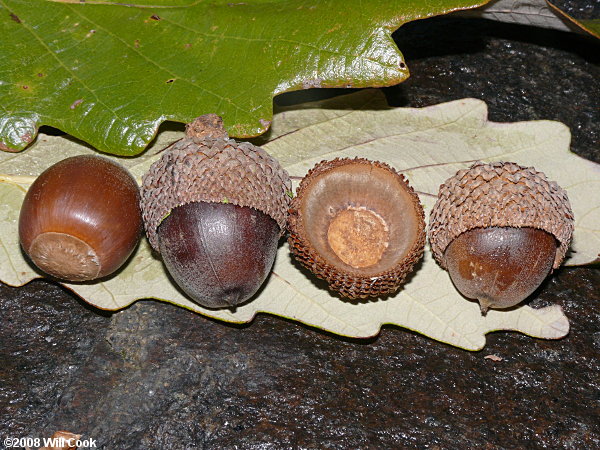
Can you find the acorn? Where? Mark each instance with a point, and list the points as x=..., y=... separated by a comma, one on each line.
x=358, y=225
x=80, y=219
x=500, y=229
x=215, y=209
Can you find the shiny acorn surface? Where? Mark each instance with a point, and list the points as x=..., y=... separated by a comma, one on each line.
x=80, y=220
x=500, y=266
x=218, y=253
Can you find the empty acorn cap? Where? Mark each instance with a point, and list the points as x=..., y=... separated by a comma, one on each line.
x=207, y=166
x=358, y=225
x=501, y=194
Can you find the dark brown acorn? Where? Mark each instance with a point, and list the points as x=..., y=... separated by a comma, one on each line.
x=358, y=225
x=215, y=210
x=499, y=229
x=81, y=219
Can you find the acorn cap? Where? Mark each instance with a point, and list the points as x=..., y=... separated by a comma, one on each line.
x=501, y=194
x=207, y=166
x=358, y=225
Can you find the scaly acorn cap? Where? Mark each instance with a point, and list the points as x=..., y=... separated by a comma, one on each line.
x=358, y=225
x=500, y=194
x=207, y=166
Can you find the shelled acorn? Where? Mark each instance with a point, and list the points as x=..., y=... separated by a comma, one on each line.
x=80, y=219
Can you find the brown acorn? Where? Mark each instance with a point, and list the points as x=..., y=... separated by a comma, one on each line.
x=358, y=225
x=500, y=229
x=215, y=210
x=80, y=220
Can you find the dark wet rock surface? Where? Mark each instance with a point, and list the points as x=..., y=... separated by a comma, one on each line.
x=155, y=376
x=579, y=10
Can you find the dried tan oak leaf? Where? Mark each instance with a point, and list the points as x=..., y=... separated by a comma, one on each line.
x=428, y=145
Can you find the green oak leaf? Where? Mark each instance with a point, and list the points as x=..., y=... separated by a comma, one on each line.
x=427, y=145
x=591, y=26
x=109, y=73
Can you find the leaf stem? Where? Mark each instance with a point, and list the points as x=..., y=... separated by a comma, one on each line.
x=408, y=169
x=16, y=179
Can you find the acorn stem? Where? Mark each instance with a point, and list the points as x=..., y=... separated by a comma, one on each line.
x=206, y=126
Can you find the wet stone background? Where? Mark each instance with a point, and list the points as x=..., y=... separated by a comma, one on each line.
x=155, y=376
